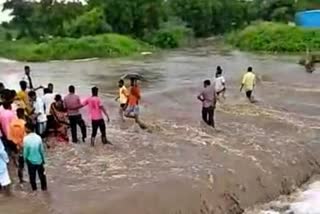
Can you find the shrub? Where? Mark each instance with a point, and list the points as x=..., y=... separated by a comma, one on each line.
x=170, y=35
x=105, y=45
x=275, y=37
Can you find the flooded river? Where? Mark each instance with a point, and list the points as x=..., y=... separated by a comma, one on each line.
x=180, y=166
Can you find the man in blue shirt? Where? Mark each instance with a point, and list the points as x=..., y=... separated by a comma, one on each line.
x=34, y=156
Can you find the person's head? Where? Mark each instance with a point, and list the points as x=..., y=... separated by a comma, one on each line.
x=250, y=69
x=50, y=87
x=58, y=98
x=29, y=128
x=219, y=71
x=8, y=95
x=72, y=89
x=133, y=82
x=206, y=83
x=2, y=87
x=121, y=83
x=94, y=91
x=23, y=85
x=27, y=70
x=32, y=95
x=20, y=113
x=46, y=91
x=6, y=105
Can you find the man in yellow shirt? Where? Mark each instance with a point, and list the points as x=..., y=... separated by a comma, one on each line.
x=22, y=96
x=248, y=83
x=123, y=98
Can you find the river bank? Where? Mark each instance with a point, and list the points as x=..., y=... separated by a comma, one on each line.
x=272, y=37
x=101, y=46
x=258, y=152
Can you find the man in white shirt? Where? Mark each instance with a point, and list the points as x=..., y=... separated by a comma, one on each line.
x=28, y=79
x=48, y=99
x=220, y=83
x=39, y=114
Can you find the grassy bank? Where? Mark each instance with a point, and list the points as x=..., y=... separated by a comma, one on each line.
x=106, y=45
x=275, y=37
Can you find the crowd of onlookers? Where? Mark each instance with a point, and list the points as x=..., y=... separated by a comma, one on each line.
x=28, y=118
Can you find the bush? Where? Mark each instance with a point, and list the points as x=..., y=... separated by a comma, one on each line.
x=275, y=37
x=170, y=35
x=90, y=23
x=106, y=45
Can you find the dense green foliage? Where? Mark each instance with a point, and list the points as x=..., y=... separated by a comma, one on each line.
x=105, y=45
x=47, y=18
x=275, y=37
x=43, y=22
x=171, y=34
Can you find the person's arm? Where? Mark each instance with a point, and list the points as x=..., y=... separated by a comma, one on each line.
x=25, y=151
x=243, y=82
x=200, y=97
x=42, y=153
x=104, y=111
x=254, y=81
x=36, y=89
x=223, y=82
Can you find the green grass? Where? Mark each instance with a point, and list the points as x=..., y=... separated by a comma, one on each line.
x=275, y=37
x=102, y=46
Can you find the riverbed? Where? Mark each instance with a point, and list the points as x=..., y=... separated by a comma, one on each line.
x=258, y=152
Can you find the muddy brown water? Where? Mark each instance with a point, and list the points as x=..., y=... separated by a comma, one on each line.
x=257, y=153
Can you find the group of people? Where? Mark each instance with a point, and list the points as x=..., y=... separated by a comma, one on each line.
x=211, y=93
x=27, y=120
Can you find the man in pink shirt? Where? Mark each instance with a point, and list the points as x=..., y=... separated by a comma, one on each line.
x=6, y=117
x=96, y=110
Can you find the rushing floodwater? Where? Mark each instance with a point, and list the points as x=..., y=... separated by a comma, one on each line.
x=80, y=177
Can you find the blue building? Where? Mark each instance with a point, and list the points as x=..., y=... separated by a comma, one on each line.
x=309, y=18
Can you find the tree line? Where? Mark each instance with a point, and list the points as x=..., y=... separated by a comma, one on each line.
x=141, y=18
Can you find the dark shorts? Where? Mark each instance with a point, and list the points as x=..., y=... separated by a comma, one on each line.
x=123, y=106
x=249, y=94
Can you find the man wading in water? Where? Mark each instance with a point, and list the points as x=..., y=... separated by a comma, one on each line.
x=248, y=83
x=132, y=110
x=208, y=97
x=97, y=110
x=123, y=98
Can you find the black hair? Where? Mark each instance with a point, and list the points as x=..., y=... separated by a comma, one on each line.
x=23, y=85
x=6, y=105
x=20, y=113
x=72, y=89
x=207, y=82
x=30, y=126
x=2, y=85
x=94, y=91
x=121, y=81
x=250, y=69
x=50, y=85
x=46, y=91
x=32, y=94
x=58, y=97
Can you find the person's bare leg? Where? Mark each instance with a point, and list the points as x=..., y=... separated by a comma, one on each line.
x=121, y=114
x=140, y=123
x=92, y=141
